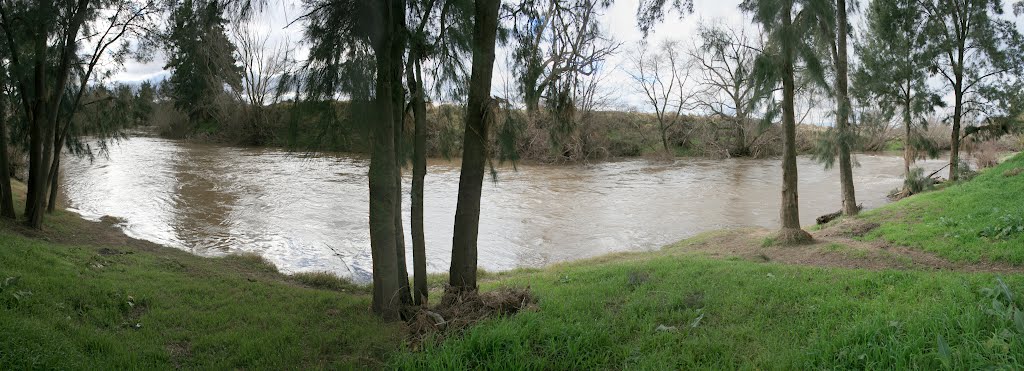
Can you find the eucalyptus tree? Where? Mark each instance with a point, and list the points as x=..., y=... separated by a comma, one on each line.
x=724, y=57
x=43, y=41
x=791, y=39
x=978, y=55
x=894, y=64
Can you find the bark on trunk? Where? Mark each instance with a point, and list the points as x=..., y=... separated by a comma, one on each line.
x=954, y=147
x=474, y=155
x=387, y=287
x=6, y=193
x=419, y=172
x=790, y=213
x=398, y=109
x=843, y=114
x=54, y=182
x=907, y=152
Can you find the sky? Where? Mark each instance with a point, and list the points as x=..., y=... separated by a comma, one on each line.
x=619, y=21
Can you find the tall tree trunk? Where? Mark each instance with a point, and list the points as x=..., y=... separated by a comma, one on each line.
x=954, y=146
x=907, y=151
x=387, y=287
x=843, y=114
x=474, y=155
x=419, y=173
x=37, y=139
x=6, y=193
x=398, y=47
x=790, y=210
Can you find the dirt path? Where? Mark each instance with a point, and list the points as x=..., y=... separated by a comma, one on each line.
x=835, y=246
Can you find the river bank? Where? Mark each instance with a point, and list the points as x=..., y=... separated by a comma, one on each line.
x=891, y=289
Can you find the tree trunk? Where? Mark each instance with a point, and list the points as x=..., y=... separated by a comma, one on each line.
x=954, y=146
x=398, y=109
x=790, y=211
x=474, y=155
x=419, y=172
x=54, y=182
x=843, y=114
x=664, y=138
x=387, y=287
x=6, y=193
x=907, y=151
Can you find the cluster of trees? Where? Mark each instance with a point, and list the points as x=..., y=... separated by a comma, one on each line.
x=388, y=59
x=52, y=69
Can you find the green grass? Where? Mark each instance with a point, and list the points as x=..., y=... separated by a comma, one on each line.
x=129, y=307
x=78, y=307
x=979, y=220
x=736, y=314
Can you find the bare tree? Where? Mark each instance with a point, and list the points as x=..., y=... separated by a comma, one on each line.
x=662, y=77
x=556, y=38
x=266, y=66
x=725, y=58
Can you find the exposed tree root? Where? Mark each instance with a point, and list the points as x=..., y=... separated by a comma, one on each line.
x=792, y=237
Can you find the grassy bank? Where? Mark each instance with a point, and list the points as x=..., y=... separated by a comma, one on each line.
x=976, y=221
x=85, y=295
x=95, y=299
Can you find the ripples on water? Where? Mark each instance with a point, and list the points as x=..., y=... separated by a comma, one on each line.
x=307, y=213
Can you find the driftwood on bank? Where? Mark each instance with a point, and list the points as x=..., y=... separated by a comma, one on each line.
x=825, y=219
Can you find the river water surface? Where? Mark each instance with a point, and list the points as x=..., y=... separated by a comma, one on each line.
x=308, y=213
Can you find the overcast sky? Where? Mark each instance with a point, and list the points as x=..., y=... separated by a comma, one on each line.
x=619, y=21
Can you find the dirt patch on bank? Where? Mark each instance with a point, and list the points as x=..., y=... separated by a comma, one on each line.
x=835, y=246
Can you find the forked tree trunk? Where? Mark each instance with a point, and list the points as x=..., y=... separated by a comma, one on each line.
x=843, y=114
x=474, y=155
x=790, y=211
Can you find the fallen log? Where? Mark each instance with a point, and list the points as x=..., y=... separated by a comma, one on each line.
x=825, y=219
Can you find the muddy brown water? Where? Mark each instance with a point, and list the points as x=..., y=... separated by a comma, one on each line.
x=306, y=213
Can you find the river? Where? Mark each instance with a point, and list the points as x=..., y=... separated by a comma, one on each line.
x=309, y=213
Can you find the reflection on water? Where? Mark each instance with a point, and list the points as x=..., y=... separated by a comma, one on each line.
x=310, y=213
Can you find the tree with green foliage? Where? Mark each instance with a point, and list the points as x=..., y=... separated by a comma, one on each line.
x=357, y=49
x=43, y=49
x=893, y=69
x=791, y=39
x=978, y=55
x=201, y=60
